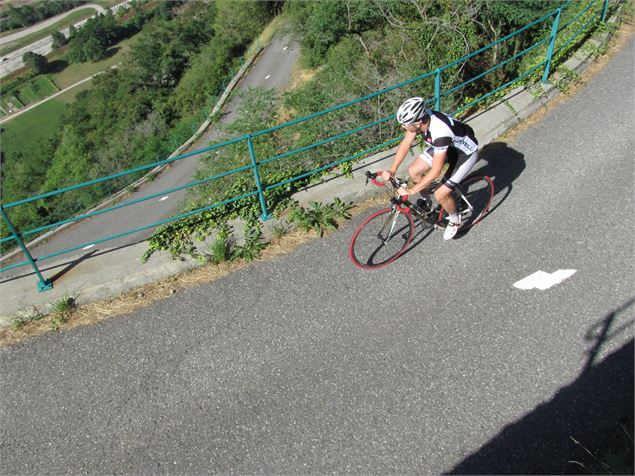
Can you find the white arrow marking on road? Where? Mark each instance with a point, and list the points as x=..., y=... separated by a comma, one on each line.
x=163, y=198
x=542, y=280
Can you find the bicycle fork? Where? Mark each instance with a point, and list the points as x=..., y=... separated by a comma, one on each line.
x=390, y=223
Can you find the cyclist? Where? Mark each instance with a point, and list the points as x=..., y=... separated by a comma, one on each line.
x=450, y=141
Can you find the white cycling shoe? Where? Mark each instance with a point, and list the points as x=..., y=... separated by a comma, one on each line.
x=451, y=230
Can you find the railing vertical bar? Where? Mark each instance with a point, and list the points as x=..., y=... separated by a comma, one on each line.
x=261, y=193
x=43, y=284
x=437, y=89
x=552, y=42
x=605, y=10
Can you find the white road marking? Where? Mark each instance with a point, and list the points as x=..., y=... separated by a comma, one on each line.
x=88, y=247
x=285, y=48
x=268, y=76
x=541, y=280
x=163, y=198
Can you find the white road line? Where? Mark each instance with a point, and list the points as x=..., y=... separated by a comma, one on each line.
x=541, y=280
x=163, y=198
x=88, y=247
x=285, y=48
x=268, y=76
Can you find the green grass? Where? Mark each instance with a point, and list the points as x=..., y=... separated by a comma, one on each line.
x=69, y=96
x=10, y=101
x=77, y=71
x=32, y=127
x=35, y=89
x=43, y=33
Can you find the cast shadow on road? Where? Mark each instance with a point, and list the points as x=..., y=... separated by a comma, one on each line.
x=596, y=410
x=61, y=269
x=503, y=165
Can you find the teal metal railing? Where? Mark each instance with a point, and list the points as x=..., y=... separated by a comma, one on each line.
x=560, y=38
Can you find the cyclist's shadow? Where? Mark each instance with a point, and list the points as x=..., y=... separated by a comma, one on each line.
x=503, y=165
x=496, y=160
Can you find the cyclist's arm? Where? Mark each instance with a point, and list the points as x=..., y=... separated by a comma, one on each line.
x=402, y=151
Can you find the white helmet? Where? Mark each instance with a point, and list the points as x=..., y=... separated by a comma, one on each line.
x=411, y=111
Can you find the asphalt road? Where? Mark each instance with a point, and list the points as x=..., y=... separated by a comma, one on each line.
x=435, y=364
x=272, y=69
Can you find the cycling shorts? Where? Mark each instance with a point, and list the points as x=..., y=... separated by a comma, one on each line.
x=459, y=165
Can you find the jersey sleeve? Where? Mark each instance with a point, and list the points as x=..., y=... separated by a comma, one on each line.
x=441, y=144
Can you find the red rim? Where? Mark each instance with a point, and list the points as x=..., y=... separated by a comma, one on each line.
x=361, y=227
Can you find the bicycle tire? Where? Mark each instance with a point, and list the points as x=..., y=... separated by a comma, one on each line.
x=479, y=190
x=381, y=238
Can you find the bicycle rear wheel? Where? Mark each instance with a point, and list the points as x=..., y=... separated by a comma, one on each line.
x=479, y=192
x=381, y=238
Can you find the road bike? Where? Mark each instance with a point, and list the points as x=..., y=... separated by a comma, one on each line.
x=386, y=234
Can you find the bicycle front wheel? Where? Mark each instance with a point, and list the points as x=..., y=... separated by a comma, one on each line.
x=381, y=238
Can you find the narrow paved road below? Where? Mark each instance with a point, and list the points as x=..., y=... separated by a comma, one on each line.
x=435, y=364
x=272, y=69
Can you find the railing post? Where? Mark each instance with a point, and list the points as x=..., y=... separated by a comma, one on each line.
x=605, y=9
x=552, y=42
x=43, y=284
x=437, y=89
x=261, y=193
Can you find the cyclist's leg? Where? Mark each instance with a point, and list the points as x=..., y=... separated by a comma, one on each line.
x=460, y=166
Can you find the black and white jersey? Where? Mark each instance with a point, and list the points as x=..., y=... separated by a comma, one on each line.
x=445, y=131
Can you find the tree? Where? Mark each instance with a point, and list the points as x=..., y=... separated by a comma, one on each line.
x=240, y=22
x=38, y=63
x=59, y=40
x=95, y=49
x=91, y=42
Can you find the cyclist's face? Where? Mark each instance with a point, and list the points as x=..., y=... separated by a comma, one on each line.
x=416, y=127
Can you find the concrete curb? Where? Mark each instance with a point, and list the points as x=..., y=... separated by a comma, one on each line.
x=113, y=271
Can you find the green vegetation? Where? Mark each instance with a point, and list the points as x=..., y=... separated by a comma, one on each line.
x=58, y=312
x=225, y=247
x=91, y=42
x=19, y=94
x=27, y=161
x=74, y=72
x=37, y=63
x=63, y=305
x=319, y=217
x=24, y=316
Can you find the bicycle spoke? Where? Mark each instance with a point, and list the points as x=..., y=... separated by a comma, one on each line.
x=381, y=238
